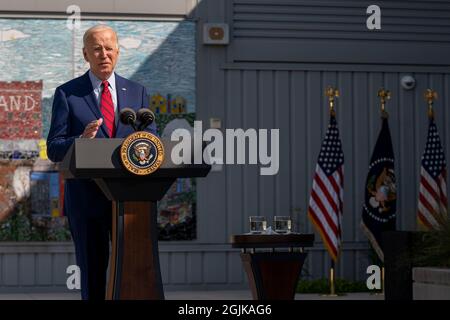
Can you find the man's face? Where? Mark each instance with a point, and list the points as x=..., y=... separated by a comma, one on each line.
x=101, y=51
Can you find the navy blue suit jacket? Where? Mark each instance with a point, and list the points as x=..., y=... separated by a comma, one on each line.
x=74, y=106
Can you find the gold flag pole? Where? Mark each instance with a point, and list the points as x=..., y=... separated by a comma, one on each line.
x=332, y=93
x=332, y=277
x=384, y=95
x=430, y=96
x=332, y=282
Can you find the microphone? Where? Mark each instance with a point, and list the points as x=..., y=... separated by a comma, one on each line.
x=145, y=117
x=128, y=117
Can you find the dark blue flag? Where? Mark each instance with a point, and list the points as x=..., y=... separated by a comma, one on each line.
x=379, y=209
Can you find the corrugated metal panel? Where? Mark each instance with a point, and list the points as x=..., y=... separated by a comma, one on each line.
x=178, y=268
x=10, y=269
x=235, y=222
x=59, y=267
x=283, y=205
x=31, y=268
x=328, y=31
x=43, y=268
x=164, y=265
x=212, y=226
x=215, y=268
x=265, y=116
x=420, y=21
x=248, y=111
x=235, y=272
x=194, y=268
x=295, y=103
x=27, y=267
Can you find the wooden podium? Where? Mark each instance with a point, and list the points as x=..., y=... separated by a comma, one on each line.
x=273, y=275
x=134, y=271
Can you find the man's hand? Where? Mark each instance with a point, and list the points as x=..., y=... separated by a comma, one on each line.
x=91, y=129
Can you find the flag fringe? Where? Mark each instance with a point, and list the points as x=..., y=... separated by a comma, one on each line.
x=327, y=245
x=373, y=241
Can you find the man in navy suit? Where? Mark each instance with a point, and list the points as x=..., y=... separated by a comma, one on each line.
x=88, y=107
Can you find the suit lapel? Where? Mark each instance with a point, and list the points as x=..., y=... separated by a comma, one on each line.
x=121, y=91
x=91, y=102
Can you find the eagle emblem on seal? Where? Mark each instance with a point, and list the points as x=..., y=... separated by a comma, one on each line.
x=142, y=153
x=382, y=190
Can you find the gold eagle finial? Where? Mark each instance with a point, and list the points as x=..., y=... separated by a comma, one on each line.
x=332, y=93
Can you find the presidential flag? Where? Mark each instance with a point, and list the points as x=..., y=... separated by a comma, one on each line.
x=379, y=208
x=432, y=209
x=327, y=194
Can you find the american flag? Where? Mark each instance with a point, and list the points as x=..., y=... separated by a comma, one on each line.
x=326, y=202
x=432, y=209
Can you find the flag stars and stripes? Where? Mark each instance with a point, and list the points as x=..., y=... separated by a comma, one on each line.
x=432, y=206
x=326, y=201
x=331, y=157
x=433, y=158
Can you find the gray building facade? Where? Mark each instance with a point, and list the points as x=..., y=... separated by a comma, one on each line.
x=272, y=74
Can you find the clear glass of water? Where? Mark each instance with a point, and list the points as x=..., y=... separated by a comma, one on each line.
x=258, y=224
x=283, y=224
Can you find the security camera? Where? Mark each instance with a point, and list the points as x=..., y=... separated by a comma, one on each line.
x=408, y=82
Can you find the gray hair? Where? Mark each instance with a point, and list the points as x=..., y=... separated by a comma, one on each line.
x=97, y=28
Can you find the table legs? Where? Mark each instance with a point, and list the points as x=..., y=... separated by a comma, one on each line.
x=273, y=275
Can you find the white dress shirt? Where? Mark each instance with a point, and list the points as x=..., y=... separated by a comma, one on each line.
x=97, y=86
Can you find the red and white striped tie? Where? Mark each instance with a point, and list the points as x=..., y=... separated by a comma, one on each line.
x=107, y=109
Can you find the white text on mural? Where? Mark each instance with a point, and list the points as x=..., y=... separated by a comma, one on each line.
x=17, y=103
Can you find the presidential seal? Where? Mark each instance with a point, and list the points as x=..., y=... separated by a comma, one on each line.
x=142, y=153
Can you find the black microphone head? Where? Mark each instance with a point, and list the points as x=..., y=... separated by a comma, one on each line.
x=127, y=116
x=145, y=115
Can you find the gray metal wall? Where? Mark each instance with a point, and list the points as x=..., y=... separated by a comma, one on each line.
x=281, y=57
x=34, y=266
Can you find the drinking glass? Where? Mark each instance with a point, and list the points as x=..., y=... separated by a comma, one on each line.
x=282, y=224
x=258, y=224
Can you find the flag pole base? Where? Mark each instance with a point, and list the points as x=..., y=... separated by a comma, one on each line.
x=330, y=295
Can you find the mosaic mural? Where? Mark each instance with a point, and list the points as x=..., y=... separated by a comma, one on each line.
x=36, y=56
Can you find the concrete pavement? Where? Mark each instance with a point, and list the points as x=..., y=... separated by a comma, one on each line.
x=194, y=295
